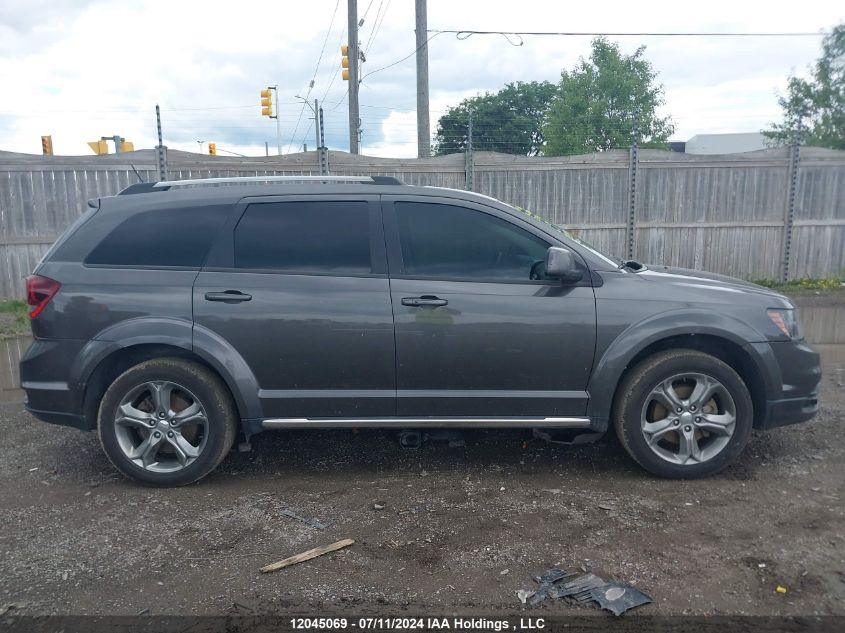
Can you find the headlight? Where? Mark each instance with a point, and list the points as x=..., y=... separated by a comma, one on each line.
x=786, y=322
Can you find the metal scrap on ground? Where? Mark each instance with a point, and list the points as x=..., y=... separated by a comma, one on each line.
x=312, y=522
x=616, y=597
x=304, y=556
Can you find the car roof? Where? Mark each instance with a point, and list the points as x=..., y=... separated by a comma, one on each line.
x=144, y=194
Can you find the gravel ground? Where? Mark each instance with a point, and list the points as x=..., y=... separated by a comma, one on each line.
x=460, y=528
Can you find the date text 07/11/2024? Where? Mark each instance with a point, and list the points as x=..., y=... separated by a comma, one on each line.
x=419, y=624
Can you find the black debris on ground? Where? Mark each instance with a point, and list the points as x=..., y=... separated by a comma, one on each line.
x=556, y=583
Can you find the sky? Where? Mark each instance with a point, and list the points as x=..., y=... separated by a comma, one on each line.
x=82, y=69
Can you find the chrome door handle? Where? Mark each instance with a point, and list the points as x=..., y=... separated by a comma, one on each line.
x=228, y=296
x=425, y=300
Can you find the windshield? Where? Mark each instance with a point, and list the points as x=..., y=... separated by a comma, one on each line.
x=554, y=228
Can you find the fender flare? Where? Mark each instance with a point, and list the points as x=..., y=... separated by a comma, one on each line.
x=615, y=360
x=181, y=333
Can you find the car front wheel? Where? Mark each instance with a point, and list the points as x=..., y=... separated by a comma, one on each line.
x=683, y=414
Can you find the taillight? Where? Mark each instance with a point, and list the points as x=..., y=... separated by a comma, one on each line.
x=39, y=291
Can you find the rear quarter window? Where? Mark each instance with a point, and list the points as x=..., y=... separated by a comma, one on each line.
x=161, y=237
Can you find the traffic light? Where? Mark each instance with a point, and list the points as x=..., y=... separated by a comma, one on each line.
x=127, y=146
x=212, y=149
x=344, y=62
x=47, y=145
x=267, y=103
x=99, y=147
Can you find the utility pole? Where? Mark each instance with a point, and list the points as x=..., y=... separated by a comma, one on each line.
x=161, y=150
x=317, y=124
x=318, y=121
x=278, y=121
x=120, y=144
x=266, y=148
x=789, y=218
x=321, y=148
x=633, y=163
x=469, y=169
x=423, y=122
x=267, y=110
x=354, y=57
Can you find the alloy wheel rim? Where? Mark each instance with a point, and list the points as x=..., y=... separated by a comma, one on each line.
x=688, y=418
x=161, y=426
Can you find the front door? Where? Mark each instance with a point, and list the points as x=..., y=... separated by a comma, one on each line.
x=301, y=293
x=475, y=335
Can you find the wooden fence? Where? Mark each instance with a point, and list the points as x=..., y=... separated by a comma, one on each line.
x=747, y=215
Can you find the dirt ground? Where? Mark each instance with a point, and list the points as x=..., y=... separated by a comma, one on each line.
x=461, y=528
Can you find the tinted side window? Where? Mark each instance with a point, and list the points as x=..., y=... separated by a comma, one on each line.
x=441, y=240
x=161, y=237
x=320, y=236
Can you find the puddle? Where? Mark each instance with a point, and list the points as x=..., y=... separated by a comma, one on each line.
x=824, y=328
x=11, y=351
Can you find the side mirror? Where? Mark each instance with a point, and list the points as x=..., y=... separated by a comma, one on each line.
x=561, y=264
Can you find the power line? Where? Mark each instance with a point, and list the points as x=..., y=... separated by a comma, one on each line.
x=325, y=41
x=375, y=22
x=340, y=102
x=314, y=76
x=399, y=61
x=467, y=33
x=367, y=10
x=376, y=29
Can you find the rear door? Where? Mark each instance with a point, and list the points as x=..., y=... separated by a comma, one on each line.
x=299, y=288
x=475, y=335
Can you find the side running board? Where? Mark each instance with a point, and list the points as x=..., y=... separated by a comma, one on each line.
x=429, y=423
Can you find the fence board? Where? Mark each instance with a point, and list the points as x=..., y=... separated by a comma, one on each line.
x=720, y=213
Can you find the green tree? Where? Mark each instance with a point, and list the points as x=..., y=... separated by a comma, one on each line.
x=509, y=121
x=597, y=102
x=814, y=108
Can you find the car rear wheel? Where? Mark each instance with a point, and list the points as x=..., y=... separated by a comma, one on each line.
x=167, y=422
x=683, y=414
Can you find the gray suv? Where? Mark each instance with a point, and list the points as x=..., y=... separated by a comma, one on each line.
x=177, y=316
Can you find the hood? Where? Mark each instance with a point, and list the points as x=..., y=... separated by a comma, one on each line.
x=700, y=279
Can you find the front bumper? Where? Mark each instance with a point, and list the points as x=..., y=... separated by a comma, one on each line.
x=789, y=411
x=798, y=399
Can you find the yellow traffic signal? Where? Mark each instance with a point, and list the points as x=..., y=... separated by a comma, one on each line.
x=47, y=145
x=267, y=103
x=99, y=147
x=212, y=149
x=127, y=146
x=344, y=62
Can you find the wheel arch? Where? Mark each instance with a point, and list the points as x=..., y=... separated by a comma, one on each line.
x=726, y=340
x=119, y=359
x=134, y=341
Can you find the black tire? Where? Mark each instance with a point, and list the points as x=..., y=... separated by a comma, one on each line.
x=631, y=399
x=219, y=429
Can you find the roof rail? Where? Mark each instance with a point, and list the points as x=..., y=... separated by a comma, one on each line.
x=146, y=187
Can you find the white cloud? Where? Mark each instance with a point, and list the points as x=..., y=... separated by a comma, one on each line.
x=398, y=136
x=81, y=70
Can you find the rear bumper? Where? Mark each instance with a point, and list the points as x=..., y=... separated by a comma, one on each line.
x=45, y=368
x=63, y=419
